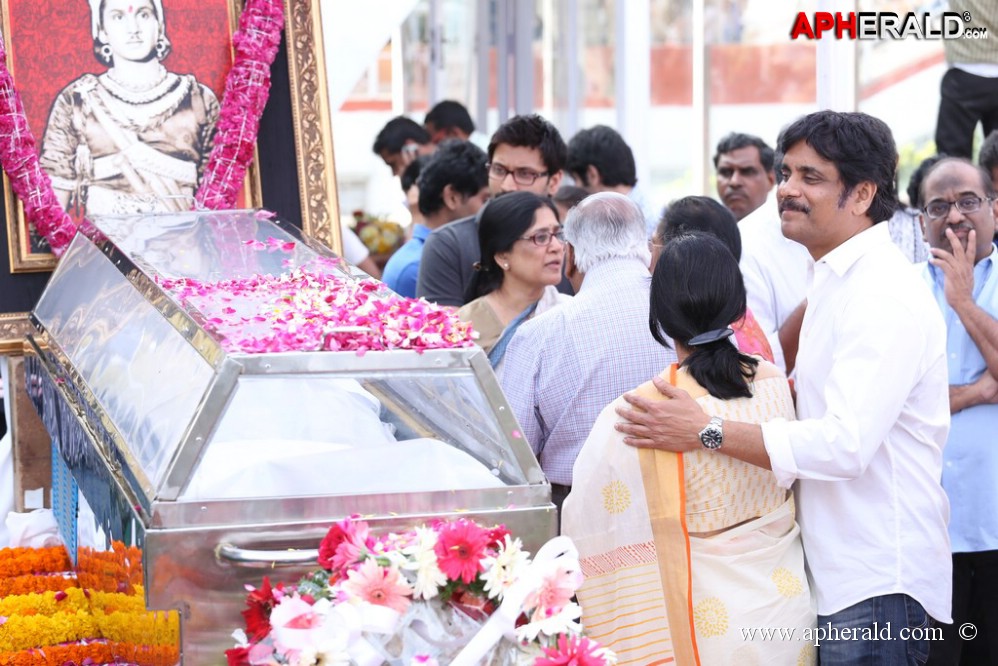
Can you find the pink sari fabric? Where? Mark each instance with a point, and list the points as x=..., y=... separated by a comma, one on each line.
x=750, y=338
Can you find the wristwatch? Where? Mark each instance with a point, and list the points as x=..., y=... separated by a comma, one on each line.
x=712, y=436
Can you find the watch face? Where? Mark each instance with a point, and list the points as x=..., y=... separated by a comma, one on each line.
x=711, y=437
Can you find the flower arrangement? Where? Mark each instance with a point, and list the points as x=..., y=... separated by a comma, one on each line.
x=378, y=234
x=247, y=87
x=19, y=158
x=48, y=618
x=453, y=592
x=316, y=310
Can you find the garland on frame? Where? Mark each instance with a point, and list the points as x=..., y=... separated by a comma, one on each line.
x=246, y=90
x=19, y=159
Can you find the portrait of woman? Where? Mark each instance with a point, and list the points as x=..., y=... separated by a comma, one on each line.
x=135, y=137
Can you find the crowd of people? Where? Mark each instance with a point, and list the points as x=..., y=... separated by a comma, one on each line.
x=769, y=409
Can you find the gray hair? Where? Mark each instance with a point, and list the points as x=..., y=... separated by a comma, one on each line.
x=606, y=226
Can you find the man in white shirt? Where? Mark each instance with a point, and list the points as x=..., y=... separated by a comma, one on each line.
x=872, y=403
x=775, y=271
x=774, y=267
x=744, y=170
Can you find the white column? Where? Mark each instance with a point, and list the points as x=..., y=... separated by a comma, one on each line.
x=700, y=130
x=632, y=69
x=483, y=41
x=835, y=67
x=523, y=58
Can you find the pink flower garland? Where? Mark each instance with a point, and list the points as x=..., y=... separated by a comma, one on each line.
x=246, y=89
x=19, y=159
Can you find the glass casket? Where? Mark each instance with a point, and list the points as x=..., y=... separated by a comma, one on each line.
x=223, y=465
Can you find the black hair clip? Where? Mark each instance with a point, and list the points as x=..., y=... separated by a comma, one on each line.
x=709, y=337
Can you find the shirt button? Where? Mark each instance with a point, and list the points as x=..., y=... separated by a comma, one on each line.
x=949, y=463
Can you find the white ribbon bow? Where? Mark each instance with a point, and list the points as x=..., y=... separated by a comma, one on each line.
x=557, y=554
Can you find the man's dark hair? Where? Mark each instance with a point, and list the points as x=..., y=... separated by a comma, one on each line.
x=603, y=148
x=411, y=172
x=704, y=215
x=447, y=114
x=697, y=287
x=859, y=145
x=569, y=196
x=397, y=132
x=736, y=140
x=988, y=157
x=917, y=176
x=532, y=131
x=460, y=164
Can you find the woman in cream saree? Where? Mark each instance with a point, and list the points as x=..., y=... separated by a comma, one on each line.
x=693, y=558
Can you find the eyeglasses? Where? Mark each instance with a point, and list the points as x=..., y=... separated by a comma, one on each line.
x=525, y=177
x=543, y=238
x=966, y=205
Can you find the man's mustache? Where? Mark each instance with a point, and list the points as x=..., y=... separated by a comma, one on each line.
x=794, y=205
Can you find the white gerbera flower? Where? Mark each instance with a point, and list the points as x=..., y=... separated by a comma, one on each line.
x=423, y=561
x=502, y=570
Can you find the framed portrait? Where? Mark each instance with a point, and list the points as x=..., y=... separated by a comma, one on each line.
x=122, y=97
x=295, y=175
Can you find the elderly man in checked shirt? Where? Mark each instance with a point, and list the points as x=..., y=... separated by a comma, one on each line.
x=563, y=367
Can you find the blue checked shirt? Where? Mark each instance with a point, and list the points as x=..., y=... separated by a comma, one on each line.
x=563, y=367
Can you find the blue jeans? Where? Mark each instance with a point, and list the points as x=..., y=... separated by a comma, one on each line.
x=889, y=630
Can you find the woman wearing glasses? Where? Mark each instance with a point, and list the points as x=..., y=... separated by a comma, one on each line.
x=523, y=252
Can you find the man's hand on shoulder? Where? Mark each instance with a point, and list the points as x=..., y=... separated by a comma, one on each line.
x=669, y=425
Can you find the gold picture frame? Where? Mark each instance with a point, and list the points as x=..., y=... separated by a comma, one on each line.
x=310, y=116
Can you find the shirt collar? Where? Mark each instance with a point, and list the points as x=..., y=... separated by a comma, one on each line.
x=841, y=259
x=613, y=272
x=420, y=231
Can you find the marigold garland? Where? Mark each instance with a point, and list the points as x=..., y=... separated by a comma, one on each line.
x=116, y=570
x=30, y=583
x=19, y=159
x=21, y=632
x=97, y=652
x=21, y=561
x=46, y=618
x=247, y=87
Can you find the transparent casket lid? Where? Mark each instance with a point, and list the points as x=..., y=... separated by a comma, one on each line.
x=164, y=378
x=356, y=433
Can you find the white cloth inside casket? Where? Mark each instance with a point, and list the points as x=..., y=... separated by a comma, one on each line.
x=286, y=437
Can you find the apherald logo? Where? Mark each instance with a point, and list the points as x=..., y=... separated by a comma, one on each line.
x=881, y=25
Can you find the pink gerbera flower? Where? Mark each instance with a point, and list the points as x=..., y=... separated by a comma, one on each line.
x=460, y=549
x=378, y=585
x=343, y=545
x=573, y=651
x=555, y=591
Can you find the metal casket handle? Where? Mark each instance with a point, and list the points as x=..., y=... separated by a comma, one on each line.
x=265, y=558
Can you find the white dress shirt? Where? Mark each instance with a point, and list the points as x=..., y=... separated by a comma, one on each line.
x=775, y=271
x=873, y=404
